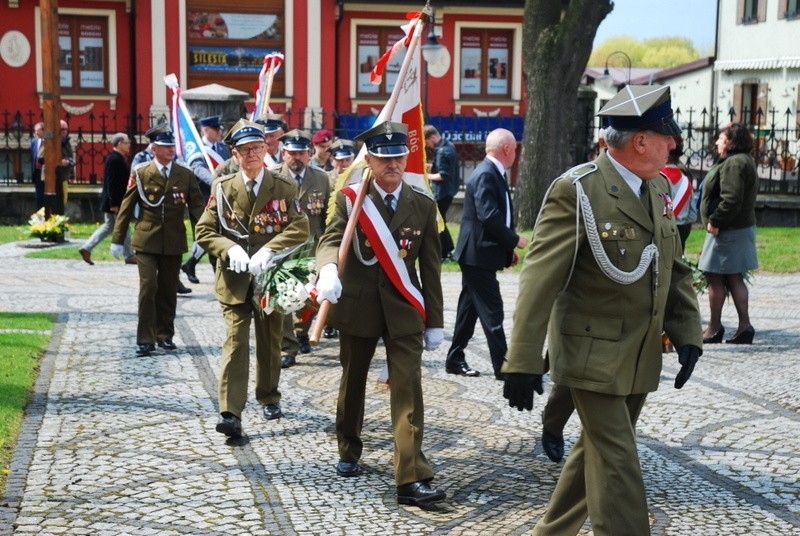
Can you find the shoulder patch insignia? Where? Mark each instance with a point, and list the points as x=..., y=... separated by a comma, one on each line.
x=420, y=191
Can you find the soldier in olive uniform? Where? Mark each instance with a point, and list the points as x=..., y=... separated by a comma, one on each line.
x=606, y=289
x=342, y=155
x=403, y=309
x=250, y=216
x=315, y=190
x=162, y=189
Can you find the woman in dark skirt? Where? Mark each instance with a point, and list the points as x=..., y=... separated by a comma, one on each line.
x=728, y=211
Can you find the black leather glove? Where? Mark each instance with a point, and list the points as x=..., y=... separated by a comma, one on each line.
x=687, y=357
x=519, y=388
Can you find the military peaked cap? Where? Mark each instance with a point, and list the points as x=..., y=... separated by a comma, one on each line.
x=641, y=108
x=387, y=140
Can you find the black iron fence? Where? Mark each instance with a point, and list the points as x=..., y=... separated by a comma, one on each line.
x=777, y=148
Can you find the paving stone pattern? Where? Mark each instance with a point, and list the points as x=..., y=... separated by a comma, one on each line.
x=115, y=444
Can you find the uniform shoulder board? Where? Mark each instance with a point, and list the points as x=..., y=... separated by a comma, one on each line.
x=580, y=171
x=421, y=191
x=275, y=167
x=182, y=164
x=226, y=177
x=280, y=176
x=141, y=165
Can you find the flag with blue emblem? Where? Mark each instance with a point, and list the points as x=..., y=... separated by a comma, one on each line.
x=188, y=143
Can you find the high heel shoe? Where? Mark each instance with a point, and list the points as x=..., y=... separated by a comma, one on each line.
x=716, y=337
x=743, y=337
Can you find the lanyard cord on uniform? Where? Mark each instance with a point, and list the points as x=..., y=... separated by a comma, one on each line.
x=221, y=215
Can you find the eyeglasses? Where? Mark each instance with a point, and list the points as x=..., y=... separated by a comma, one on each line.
x=244, y=151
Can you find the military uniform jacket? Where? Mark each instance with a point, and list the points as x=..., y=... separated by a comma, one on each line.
x=604, y=336
x=275, y=220
x=314, y=194
x=370, y=303
x=160, y=229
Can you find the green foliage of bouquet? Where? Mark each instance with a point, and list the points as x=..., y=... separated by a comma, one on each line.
x=288, y=286
x=700, y=281
x=50, y=229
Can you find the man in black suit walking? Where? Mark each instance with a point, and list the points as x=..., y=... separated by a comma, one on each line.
x=486, y=244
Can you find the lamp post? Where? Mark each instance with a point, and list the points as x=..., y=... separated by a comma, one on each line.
x=437, y=57
x=627, y=59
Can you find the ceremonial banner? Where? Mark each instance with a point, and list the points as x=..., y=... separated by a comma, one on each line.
x=188, y=143
x=263, y=88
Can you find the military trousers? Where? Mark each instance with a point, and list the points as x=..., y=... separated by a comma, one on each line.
x=158, y=289
x=602, y=478
x=294, y=326
x=558, y=410
x=404, y=357
x=234, y=371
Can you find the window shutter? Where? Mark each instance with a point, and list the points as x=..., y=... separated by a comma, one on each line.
x=739, y=11
x=737, y=103
x=763, y=100
x=762, y=10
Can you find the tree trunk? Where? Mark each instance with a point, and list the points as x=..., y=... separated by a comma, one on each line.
x=556, y=44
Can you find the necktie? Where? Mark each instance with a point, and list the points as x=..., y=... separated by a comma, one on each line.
x=643, y=197
x=389, y=200
x=250, y=184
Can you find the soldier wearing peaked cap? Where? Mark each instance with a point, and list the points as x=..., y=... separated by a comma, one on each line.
x=314, y=192
x=603, y=289
x=342, y=155
x=251, y=215
x=274, y=128
x=404, y=311
x=162, y=189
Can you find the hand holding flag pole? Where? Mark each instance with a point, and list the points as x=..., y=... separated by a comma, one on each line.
x=411, y=43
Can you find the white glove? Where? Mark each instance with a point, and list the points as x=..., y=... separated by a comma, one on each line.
x=328, y=285
x=261, y=260
x=433, y=338
x=117, y=251
x=238, y=259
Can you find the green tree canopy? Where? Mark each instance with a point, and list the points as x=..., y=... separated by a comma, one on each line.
x=661, y=52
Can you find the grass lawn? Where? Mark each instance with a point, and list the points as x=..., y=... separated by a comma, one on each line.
x=19, y=365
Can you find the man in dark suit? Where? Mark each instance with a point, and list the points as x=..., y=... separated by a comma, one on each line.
x=602, y=280
x=163, y=189
x=486, y=244
x=381, y=296
x=37, y=141
x=115, y=181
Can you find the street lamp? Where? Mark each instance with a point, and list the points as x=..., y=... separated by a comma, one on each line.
x=627, y=59
x=437, y=57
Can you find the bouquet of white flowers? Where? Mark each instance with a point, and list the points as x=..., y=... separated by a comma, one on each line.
x=288, y=286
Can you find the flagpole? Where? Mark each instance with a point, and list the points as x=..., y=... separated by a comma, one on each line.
x=268, y=91
x=366, y=177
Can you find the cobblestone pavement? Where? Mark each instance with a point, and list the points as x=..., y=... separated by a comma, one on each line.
x=114, y=444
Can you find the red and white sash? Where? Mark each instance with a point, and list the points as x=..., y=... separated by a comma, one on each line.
x=386, y=250
x=677, y=178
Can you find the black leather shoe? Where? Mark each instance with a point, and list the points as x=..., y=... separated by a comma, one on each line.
x=462, y=369
x=230, y=425
x=288, y=361
x=743, y=337
x=272, y=412
x=167, y=344
x=418, y=494
x=716, y=337
x=305, y=344
x=348, y=469
x=330, y=333
x=183, y=289
x=145, y=349
x=552, y=446
x=188, y=269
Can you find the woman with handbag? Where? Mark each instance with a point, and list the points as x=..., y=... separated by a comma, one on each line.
x=728, y=212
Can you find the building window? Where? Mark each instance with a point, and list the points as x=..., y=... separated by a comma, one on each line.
x=791, y=9
x=82, y=63
x=372, y=43
x=750, y=13
x=485, y=63
x=230, y=42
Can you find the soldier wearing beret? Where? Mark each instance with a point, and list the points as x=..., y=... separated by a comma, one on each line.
x=322, y=140
x=162, y=189
x=405, y=311
x=314, y=192
x=251, y=215
x=604, y=271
